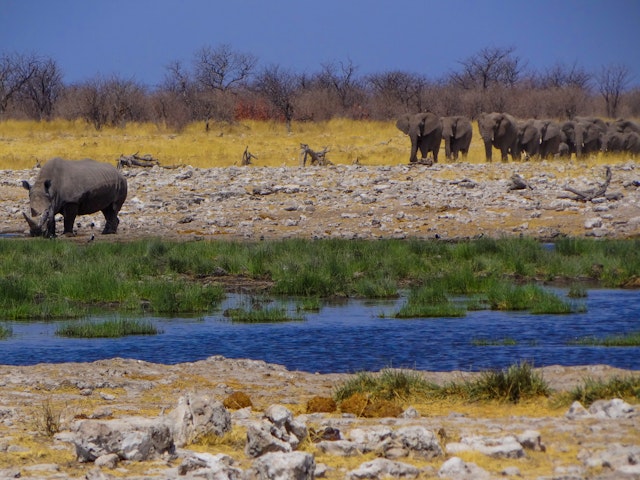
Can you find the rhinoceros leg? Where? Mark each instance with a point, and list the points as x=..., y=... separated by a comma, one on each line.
x=69, y=212
x=111, y=216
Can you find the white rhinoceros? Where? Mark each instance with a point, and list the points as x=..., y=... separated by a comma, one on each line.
x=71, y=188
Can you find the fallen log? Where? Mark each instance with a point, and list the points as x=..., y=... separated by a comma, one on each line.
x=592, y=194
x=135, y=160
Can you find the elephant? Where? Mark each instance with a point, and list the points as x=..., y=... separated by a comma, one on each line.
x=612, y=141
x=498, y=130
x=74, y=187
x=551, y=137
x=425, y=131
x=624, y=126
x=583, y=135
x=456, y=132
x=528, y=139
x=631, y=143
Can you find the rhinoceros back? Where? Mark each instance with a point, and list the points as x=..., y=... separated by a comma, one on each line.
x=94, y=186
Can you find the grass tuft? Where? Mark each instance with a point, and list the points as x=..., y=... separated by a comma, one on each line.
x=107, y=329
x=616, y=387
x=630, y=340
x=5, y=332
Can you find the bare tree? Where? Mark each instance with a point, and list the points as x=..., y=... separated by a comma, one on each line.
x=561, y=76
x=278, y=85
x=490, y=66
x=222, y=68
x=40, y=93
x=15, y=71
x=341, y=78
x=397, y=91
x=611, y=82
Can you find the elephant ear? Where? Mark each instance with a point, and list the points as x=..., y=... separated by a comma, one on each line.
x=404, y=123
x=430, y=122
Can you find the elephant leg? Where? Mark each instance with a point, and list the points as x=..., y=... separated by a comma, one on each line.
x=505, y=154
x=112, y=221
x=414, y=150
x=69, y=212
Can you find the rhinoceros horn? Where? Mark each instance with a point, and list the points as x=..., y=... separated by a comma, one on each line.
x=36, y=227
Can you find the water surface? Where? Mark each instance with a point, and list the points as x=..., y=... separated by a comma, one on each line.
x=352, y=336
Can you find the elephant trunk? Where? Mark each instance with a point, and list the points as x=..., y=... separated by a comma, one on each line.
x=488, y=149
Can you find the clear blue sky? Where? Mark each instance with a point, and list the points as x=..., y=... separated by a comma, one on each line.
x=138, y=38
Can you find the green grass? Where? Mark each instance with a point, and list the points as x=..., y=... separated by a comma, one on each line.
x=5, y=332
x=513, y=384
x=389, y=384
x=629, y=340
x=274, y=314
x=429, y=301
x=41, y=279
x=107, y=329
x=617, y=387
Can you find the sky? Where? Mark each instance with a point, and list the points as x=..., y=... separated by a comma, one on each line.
x=138, y=39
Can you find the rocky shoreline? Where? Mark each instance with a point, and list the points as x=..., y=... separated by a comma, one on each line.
x=446, y=201
x=124, y=418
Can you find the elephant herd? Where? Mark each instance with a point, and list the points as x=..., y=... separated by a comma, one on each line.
x=520, y=138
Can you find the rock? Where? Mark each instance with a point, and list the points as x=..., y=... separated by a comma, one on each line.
x=531, y=440
x=282, y=466
x=419, y=440
x=505, y=447
x=576, y=411
x=132, y=438
x=615, y=408
x=196, y=416
x=381, y=468
x=107, y=461
x=264, y=437
x=341, y=448
x=591, y=223
x=457, y=469
x=206, y=465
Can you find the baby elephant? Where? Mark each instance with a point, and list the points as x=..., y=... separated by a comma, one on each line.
x=74, y=187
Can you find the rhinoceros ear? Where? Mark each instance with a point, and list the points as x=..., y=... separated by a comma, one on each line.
x=26, y=185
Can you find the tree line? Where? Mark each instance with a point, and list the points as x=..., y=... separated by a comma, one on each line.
x=222, y=84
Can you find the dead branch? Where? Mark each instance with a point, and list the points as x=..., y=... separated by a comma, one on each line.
x=317, y=158
x=247, y=157
x=590, y=195
x=135, y=160
x=145, y=161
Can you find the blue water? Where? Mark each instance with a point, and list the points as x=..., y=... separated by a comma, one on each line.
x=351, y=337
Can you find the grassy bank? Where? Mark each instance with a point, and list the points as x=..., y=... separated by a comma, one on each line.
x=54, y=279
x=25, y=143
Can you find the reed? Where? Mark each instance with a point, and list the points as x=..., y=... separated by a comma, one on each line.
x=629, y=340
x=274, y=314
x=388, y=384
x=113, y=328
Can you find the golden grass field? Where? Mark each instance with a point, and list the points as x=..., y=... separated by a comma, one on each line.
x=25, y=143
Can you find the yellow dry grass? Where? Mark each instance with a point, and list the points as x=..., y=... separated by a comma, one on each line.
x=25, y=143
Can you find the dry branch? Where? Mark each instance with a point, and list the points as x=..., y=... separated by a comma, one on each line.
x=590, y=195
x=317, y=158
x=136, y=160
x=247, y=157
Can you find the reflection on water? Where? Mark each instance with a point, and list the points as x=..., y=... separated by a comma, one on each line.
x=352, y=336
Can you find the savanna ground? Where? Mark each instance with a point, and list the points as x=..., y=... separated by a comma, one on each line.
x=148, y=389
